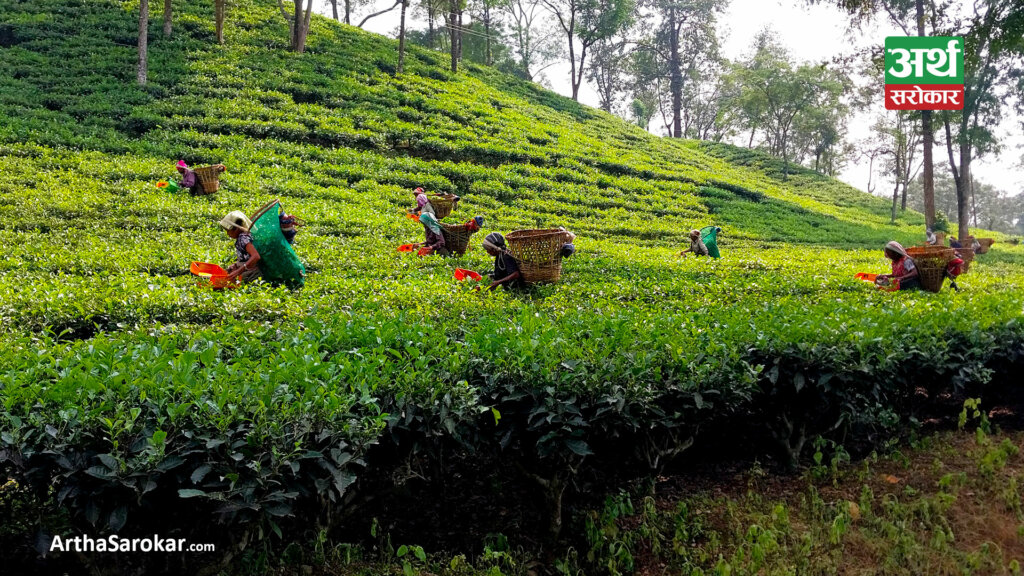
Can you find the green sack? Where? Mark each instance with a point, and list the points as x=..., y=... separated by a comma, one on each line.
x=278, y=262
x=709, y=235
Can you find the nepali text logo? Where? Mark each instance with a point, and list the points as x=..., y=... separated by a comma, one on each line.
x=924, y=73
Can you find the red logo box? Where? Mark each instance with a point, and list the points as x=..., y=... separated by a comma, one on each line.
x=924, y=96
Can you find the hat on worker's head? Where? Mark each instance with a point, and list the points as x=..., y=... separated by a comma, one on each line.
x=235, y=219
x=694, y=233
x=418, y=190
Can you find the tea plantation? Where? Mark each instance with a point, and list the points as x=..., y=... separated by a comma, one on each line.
x=139, y=401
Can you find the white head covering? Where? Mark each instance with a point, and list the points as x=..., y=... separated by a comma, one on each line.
x=236, y=219
x=897, y=248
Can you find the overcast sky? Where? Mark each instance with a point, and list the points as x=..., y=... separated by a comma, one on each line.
x=812, y=33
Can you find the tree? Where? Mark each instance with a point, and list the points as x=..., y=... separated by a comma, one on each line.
x=785, y=100
x=608, y=71
x=587, y=21
x=901, y=13
x=401, y=38
x=642, y=111
x=350, y=6
x=167, y=18
x=685, y=41
x=219, y=8
x=483, y=11
x=993, y=53
x=703, y=100
x=899, y=144
x=534, y=47
x=991, y=208
x=143, y=66
x=454, y=23
x=298, y=23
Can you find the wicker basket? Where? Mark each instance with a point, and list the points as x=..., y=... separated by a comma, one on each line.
x=443, y=205
x=456, y=237
x=967, y=255
x=931, y=264
x=538, y=252
x=209, y=177
x=986, y=243
x=940, y=238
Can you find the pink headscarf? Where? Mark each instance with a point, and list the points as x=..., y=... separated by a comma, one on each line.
x=421, y=200
x=897, y=248
x=181, y=164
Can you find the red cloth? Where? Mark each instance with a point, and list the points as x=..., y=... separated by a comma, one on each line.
x=899, y=267
x=955, y=267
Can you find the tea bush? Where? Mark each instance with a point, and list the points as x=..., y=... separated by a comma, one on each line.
x=138, y=400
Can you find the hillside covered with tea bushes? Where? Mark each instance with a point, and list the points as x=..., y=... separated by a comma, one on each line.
x=132, y=399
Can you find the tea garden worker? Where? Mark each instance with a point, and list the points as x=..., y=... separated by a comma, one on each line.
x=904, y=269
x=189, y=180
x=246, y=269
x=434, y=236
x=696, y=245
x=506, y=269
x=422, y=203
x=930, y=238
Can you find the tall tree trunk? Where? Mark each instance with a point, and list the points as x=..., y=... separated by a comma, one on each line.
x=962, y=185
x=300, y=25
x=459, y=34
x=219, y=8
x=960, y=178
x=305, y=24
x=677, y=77
x=974, y=205
x=296, y=25
x=928, y=134
x=895, y=197
x=903, y=201
x=430, y=26
x=167, y=18
x=572, y=66
x=142, y=71
x=453, y=33
x=487, y=35
x=334, y=9
x=401, y=38
x=348, y=11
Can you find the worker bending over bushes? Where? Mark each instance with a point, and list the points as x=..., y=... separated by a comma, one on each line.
x=434, y=241
x=696, y=245
x=506, y=269
x=904, y=271
x=422, y=203
x=247, y=268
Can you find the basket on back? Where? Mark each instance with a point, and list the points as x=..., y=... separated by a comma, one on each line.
x=209, y=177
x=986, y=243
x=538, y=252
x=967, y=255
x=456, y=236
x=931, y=264
x=443, y=205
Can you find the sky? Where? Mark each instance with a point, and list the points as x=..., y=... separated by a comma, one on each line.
x=810, y=33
